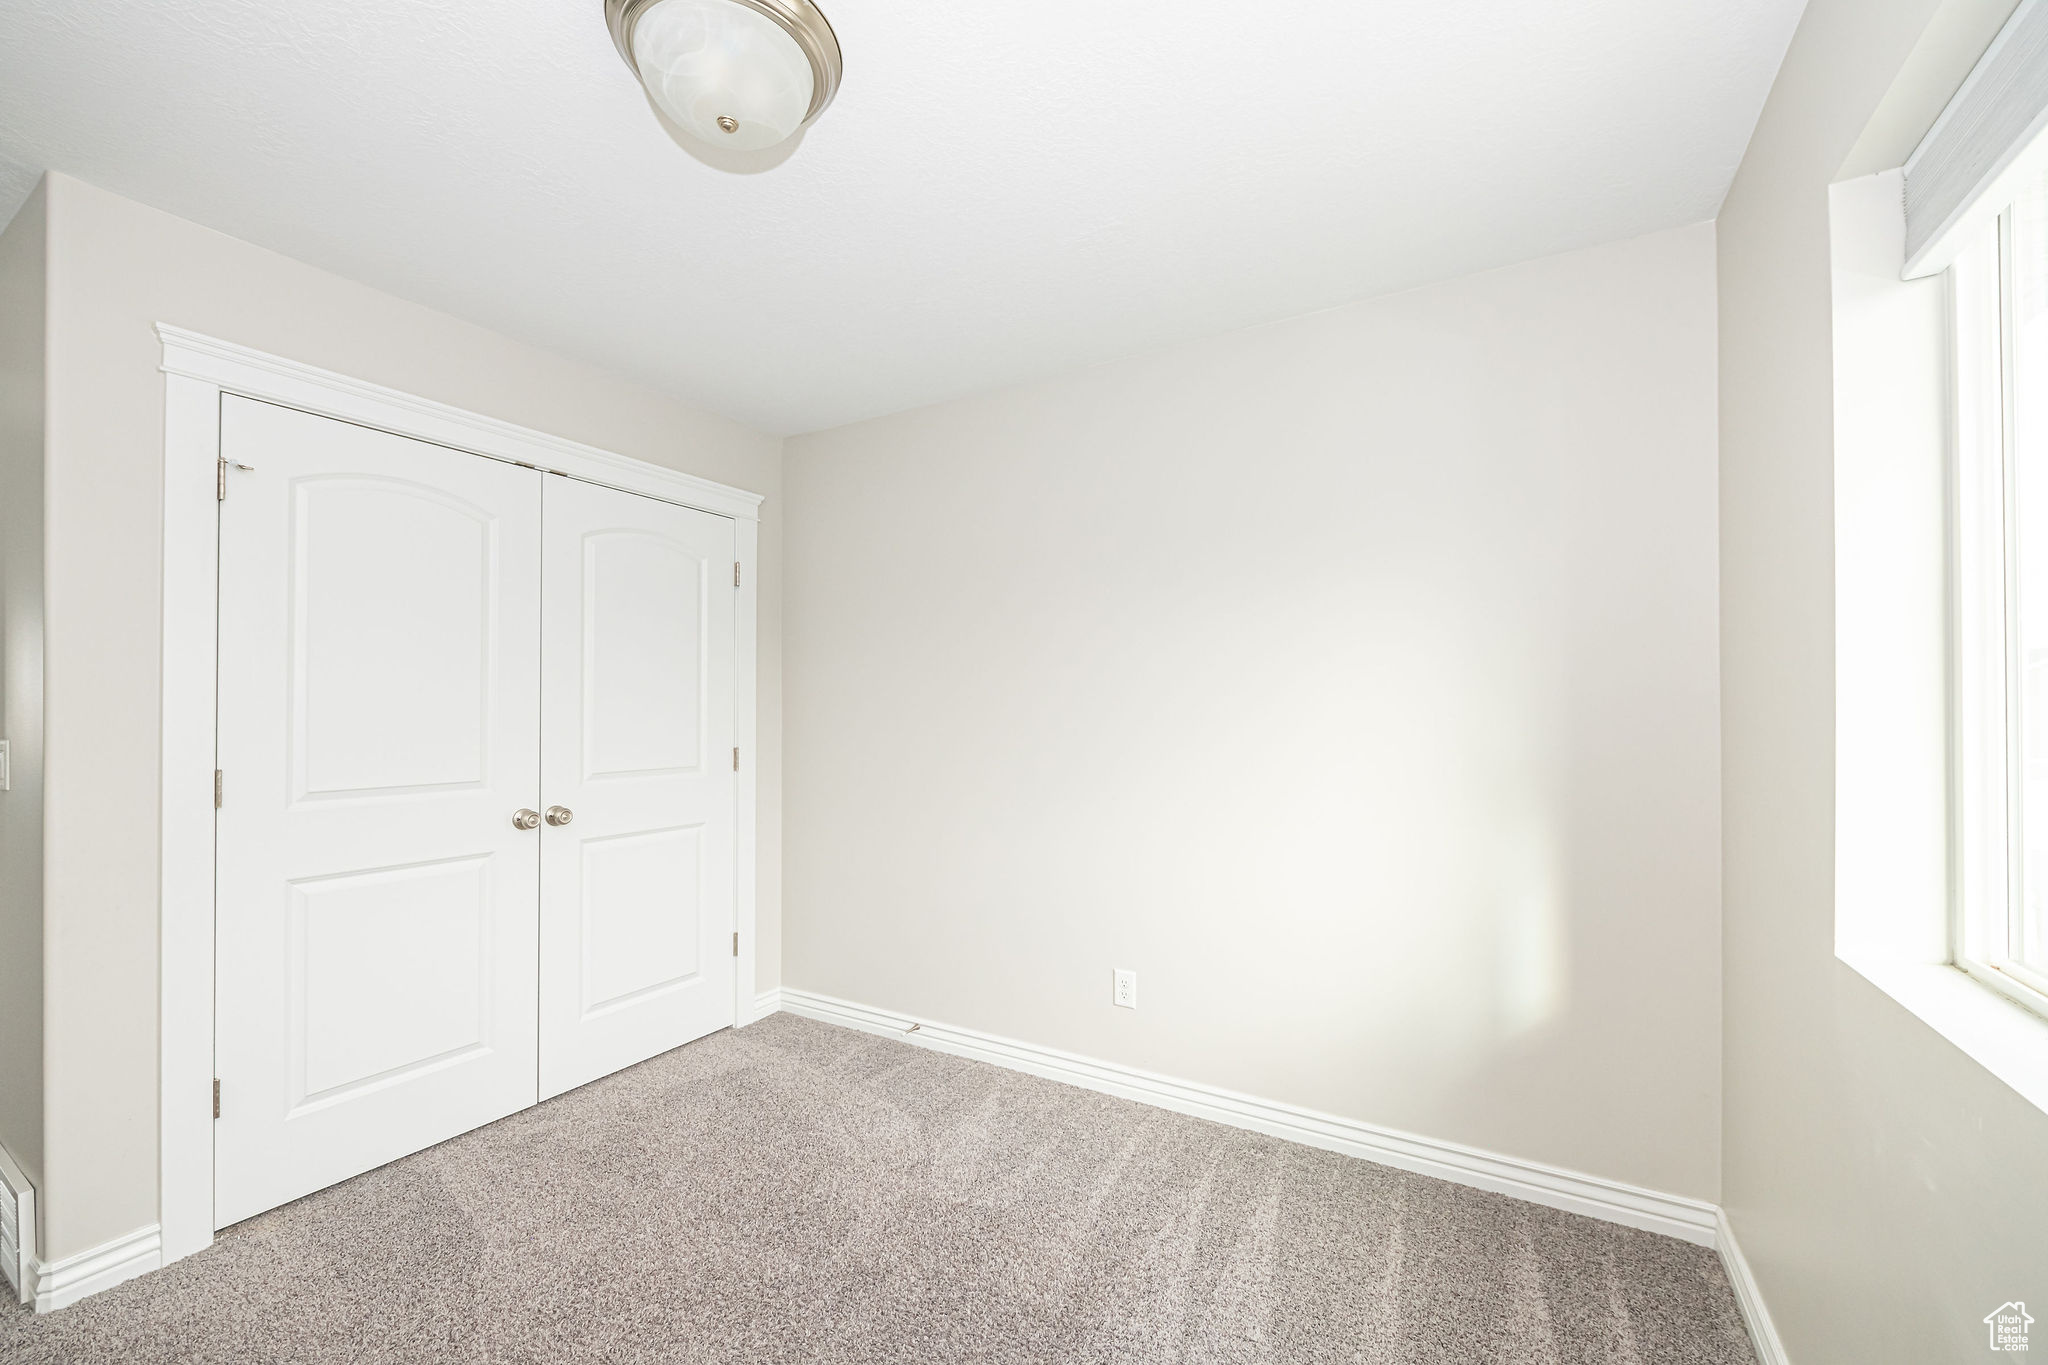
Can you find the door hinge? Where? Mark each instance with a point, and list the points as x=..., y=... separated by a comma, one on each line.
x=220, y=475
x=735, y=943
x=216, y=1097
x=735, y=758
x=735, y=573
x=216, y=789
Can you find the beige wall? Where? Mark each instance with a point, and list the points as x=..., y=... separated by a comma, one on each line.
x=1351, y=679
x=1885, y=1189
x=22, y=295
x=115, y=269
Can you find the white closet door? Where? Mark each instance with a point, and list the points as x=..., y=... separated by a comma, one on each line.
x=379, y=684
x=637, y=907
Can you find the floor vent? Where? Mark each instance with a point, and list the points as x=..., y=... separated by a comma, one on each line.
x=17, y=1225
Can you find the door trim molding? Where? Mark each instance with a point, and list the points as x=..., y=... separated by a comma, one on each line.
x=197, y=371
x=237, y=369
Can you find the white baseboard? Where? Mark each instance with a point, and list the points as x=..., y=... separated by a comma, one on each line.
x=765, y=1004
x=1763, y=1333
x=1691, y=1220
x=60, y=1284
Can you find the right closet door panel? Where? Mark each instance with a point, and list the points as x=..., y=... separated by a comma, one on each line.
x=637, y=769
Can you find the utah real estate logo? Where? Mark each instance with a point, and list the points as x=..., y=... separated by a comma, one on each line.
x=2008, y=1325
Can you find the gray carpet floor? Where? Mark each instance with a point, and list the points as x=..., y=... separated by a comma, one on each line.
x=795, y=1193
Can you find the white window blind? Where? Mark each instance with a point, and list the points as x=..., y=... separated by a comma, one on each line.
x=1989, y=128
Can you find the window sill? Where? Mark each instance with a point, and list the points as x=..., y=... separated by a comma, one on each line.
x=2004, y=1037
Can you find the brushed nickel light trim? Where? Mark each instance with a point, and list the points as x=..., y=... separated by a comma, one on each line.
x=800, y=19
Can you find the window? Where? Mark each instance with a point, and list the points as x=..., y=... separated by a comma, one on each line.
x=2000, y=545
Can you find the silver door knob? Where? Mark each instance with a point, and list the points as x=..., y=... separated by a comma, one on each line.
x=560, y=815
x=526, y=819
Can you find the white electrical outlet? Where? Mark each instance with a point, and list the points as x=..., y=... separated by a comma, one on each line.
x=5, y=779
x=1126, y=989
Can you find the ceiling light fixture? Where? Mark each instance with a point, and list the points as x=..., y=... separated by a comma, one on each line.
x=743, y=74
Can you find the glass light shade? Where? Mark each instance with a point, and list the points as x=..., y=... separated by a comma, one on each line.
x=726, y=73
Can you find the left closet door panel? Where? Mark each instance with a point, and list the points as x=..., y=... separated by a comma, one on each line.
x=377, y=919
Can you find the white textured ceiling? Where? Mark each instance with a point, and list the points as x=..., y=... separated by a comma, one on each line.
x=1002, y=191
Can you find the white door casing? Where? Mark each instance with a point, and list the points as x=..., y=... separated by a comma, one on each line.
x=379, y=683
x=200, y=373
x=637, y=923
